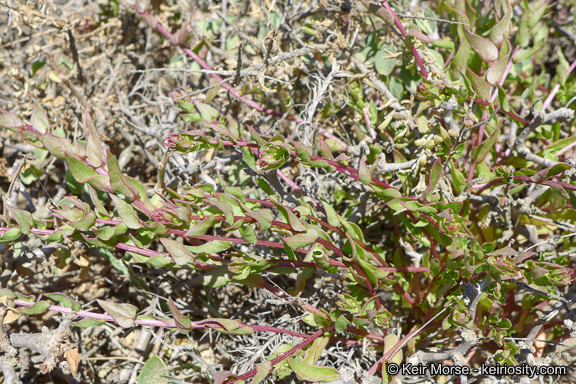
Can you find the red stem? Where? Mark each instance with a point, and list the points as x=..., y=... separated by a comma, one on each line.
x=284, y=356
x=403, y=32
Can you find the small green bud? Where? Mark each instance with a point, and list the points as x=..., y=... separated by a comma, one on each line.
x=420, y=142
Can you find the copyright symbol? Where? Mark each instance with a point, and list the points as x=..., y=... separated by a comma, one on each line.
x=392, y=369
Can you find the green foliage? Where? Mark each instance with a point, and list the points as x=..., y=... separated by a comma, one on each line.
x=425, y=190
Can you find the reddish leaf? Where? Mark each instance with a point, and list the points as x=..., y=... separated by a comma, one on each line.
x=11, y=120
x=420, y=36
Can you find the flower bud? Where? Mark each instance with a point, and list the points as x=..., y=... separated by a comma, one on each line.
x=445, y=136
x=453, y=133
x=422, y=160
x=420, y=142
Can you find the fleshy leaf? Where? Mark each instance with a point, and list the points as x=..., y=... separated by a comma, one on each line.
x=37, y=309
x=64, y=300
x=222, y=276
x=485, y=48
x=179, y=253
x=95, y=150
x=11, y=120
x=24, y=218
x=420, y=36
x=126, y=212
x=10, y=235
x=87, y=322
x=479, y=85
x=183, y=323
x=262, y=371
x=263, y=217
x=124, y=314
x=201, y=227
x=302, y=239
x=435, y=176
x=39, y=119
x=496, y=70
x=228, y=326
x=118, y=181
x=499, y=30
x=153, y=372
x=313, y=373
x=208, y=112
x=364, y=173
x=480, y=152
x=181, y=36
x=211, y=247
x=81, y=172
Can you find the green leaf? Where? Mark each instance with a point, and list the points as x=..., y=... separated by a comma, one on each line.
x=316, y=349
x=94, y=149
x=364, y=174
x=227, y=326
x=24, y=218
x=263, y=217
x=503, y=99
x=480, y=152
x=208, y=113
x=560, y=144
x=313, y=373
x=479, y=85
x=249, y=234
x=485, y=48
x=124, y=314
x=87, y=322
x=64, y=300
x=153, y=372
x=435, y=176
x=262, y=371
x=179, y=253
x=457, y=179
x=11, y=121
x=96, y=201
x=117, y=180
x=498, y=31
x=525, y=54
x=10, y=235
x=317, y=319
x=160, y=262
x=201, y=227
x=295, y=223
x=183, y=323
x=59, y=147
x=211, y=247
x=496, y=70
x=341, y=323
x=331, y=214
x=549, y=172
x=222, y=276
x=85, y=223
x=39, y=119
x=36, y=66
x=116, y=263
x=37, y=309
x=557, y=197
x=126, y=212
x=385, y=65
x=302, y=239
